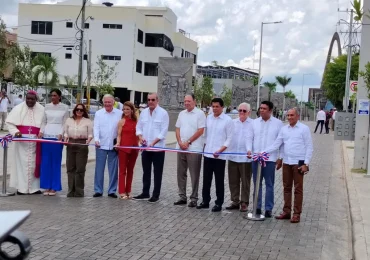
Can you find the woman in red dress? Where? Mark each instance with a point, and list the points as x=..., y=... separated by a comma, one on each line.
x=126, y=156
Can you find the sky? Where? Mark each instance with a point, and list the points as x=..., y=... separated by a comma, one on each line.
x=228, y=31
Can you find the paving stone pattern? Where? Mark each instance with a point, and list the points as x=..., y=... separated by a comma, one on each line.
x=106, y=228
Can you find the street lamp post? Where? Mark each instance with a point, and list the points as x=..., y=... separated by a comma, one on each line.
x=300, y=117
x=260, y=63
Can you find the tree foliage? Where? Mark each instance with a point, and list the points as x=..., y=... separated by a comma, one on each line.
x=204, y=92
x=271, y=86
x=290, y=94
x=334, y=79
x=103, y=77
x=359, y=12
x=70, y=81
x=227, y=95
x=366, y=76
x=283, y=80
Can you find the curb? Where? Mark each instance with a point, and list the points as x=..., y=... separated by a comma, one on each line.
x=358, y=234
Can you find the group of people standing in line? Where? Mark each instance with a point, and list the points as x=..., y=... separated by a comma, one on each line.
x=326, y=118
x=289, y=146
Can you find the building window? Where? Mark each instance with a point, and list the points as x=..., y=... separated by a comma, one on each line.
x=69, y=24
x=182, y=53
x=108, y=57
x=150, y=69
x=140, y=36
x=68, y=56
x=34, y=54
x=195, y=59
x=154, y=15
x=85, y=56
x=42, y=27
x=112, y=26
x=158, y=40
x=139, y=66
x=68, y=49
x=87, y=25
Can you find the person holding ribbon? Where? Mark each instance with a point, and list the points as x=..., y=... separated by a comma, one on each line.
x=152, y=131
x=265, y=130
x=219, y=132
x=190, y=126
x=78, y=132
x=56, y=114
x=298, y=149
x=25, y=121
x=126, y=156
x=240, y=167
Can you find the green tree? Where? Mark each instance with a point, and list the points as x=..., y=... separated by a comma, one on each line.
x=358, y=10
x=289, y=94
x=45, y=71
x=22, y=73
x=103, y=77
x=283, y=81
x=5, y=49
x=227, y=95
x=334, y=79
x=70, y=81
x=204, y=92
x=271, y=86
x=214, y=63
x=366, y=76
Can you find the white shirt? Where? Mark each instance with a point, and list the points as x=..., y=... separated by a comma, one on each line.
x=239, y=139
x=333, y=116
x=4, y=104
x=321, y=115
x=152, y=126
x=105, y=127
x=219, y=131
x=263, y=134
x=297, y=144
x=189, y=123
x=17, y=101
x=54, y=119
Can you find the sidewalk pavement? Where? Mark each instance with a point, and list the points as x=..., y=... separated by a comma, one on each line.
x=358, y=187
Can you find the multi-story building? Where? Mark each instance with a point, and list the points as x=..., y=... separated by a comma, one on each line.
x=132, y=37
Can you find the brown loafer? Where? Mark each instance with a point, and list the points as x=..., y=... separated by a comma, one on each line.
x=243, y=207
x=283, y=215
x=295, y=219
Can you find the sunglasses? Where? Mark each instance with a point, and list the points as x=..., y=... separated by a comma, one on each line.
x=79, y=110
x=243, y=110
x=153, y=99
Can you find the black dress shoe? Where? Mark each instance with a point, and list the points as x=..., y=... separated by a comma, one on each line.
x=153, y=200
x=20, y=193
x=216, y=208
x=268, y=214
x=97, y=194
x=37, y=192
x=259, y=212
x=141, y=197
x=113, y=195
x=203, y=206
x=192, y=204
x=180, y=202
x=232, y=206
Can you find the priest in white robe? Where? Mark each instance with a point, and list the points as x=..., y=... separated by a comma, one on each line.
x=25, y=121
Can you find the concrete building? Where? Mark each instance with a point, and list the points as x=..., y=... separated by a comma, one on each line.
x=133, y=37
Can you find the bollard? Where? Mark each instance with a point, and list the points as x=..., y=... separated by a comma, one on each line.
x=254, y=216
x=4, y=193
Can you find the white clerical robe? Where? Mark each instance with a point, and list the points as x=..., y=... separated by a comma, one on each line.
x=22, y=170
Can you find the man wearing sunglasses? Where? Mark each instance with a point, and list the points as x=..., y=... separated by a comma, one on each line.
x=240, y=167
x=152, y=131
x=264, y=132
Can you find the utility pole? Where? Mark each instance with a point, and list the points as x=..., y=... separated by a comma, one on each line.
x=81, y=55
x=89, y=75
x=259, y=71
x=349, y=62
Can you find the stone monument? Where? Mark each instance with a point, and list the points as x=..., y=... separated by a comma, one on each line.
x=174, y=82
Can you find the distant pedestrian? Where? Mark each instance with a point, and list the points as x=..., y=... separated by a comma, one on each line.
x=219, y=131
x=240, y=167
x=126, y=156
x=189, y=134
x=320, y=117
x=4, y=103
x=333, y=118
x=77, y=130
x=105, y=135
x=117, y=103
x=18, y=100
x=327, y=120
x=298, y=149
x=152, y=129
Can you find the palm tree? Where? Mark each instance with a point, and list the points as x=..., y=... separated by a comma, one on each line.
x=45, y=69
x=271, y=86
x=289, y=94
x=283, y=81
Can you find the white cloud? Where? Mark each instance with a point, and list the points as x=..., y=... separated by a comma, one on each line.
x=297, y=17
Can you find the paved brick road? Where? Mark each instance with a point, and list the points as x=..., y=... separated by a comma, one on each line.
x=105, y=228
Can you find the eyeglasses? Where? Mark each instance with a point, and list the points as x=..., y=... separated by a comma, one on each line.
x=79, y=110
x=151, y=99
x=243, y=110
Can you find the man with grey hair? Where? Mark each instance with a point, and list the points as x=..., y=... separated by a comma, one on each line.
x=152, y=130
x=105, y=135
x=240, y=167
x=189, y=130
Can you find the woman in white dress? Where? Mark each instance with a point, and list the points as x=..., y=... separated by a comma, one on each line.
x=56, y=114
